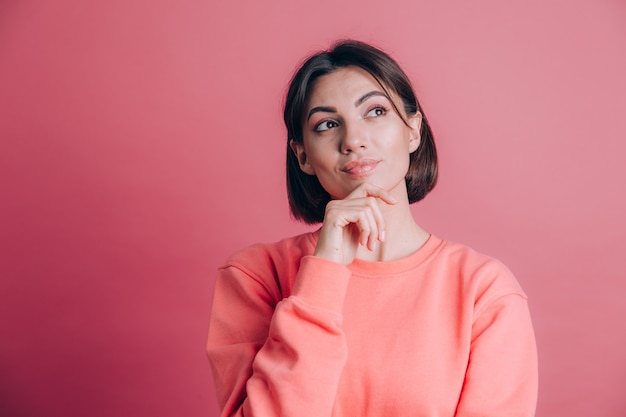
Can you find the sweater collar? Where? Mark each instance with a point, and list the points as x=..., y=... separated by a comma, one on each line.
x=364, y=268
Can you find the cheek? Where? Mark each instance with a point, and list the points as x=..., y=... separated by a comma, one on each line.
x=402, y=142
x=320, y=152
x=315, y=158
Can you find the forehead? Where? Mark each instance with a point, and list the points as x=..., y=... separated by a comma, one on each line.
x=343, y=83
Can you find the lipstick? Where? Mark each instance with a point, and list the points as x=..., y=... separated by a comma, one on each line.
x=360, y=167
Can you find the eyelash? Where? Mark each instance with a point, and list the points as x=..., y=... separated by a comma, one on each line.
x=376, y=108
x=327, y=121
x=334, y=124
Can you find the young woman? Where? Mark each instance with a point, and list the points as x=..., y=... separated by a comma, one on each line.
x=370, y=315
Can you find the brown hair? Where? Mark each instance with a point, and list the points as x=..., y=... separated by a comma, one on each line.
x=307, y=198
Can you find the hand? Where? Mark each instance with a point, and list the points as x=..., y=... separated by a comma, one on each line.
x=355, y=220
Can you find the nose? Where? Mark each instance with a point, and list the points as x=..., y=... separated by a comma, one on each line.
x=354, y=138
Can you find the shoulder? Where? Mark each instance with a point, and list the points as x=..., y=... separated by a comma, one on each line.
x=485, y=277
x=272, y=263
x=293, y=247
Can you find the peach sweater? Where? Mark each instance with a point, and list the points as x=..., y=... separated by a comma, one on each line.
x=443, y=332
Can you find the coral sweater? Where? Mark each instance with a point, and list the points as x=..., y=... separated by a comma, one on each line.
x=443, y=332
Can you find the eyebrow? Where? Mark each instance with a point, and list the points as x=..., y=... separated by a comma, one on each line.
x=366, y=96
x=357, y=103
x=321, y=109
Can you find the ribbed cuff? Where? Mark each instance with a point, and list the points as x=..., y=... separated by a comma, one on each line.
x=322, y=283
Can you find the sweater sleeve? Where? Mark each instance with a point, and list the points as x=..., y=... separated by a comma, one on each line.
x=501, y=378
x=280, y=358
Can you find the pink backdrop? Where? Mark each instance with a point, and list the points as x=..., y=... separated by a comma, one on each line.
x=141, y=144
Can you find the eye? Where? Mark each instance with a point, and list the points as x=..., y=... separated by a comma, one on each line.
x=325, y=125
x=376, y=111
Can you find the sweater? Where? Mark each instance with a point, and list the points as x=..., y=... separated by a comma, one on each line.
x=443, y=332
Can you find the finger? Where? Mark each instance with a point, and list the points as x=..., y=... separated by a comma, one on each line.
x=379, y=220
x=370, y=190
x=343, y=213
x=370, y=218
x=375, y=234
x=365, y=226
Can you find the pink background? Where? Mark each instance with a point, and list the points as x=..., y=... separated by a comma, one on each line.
x=141, y=144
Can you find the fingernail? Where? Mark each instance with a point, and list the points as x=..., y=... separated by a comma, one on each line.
x=382, y=236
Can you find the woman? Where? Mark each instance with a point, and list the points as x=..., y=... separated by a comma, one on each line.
x=370, y=315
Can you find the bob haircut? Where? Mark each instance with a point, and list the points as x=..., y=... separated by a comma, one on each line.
x=307, y=198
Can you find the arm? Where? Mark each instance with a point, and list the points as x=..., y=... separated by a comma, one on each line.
x=501, y=378
x=273, y=357
x=278, y=359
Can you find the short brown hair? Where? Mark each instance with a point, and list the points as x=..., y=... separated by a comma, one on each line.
x=307, y=197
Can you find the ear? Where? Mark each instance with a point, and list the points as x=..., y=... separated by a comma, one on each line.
x=415, y=122
x=298, y=150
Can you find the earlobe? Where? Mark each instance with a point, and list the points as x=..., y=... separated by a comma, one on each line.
x=415, y=135
x=303, y=161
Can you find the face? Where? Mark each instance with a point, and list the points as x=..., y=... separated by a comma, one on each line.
x=352, y=135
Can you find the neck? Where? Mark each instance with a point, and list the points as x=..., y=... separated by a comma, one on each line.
x=403, y=236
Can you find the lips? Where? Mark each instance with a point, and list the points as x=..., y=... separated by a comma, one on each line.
x=359, y=167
